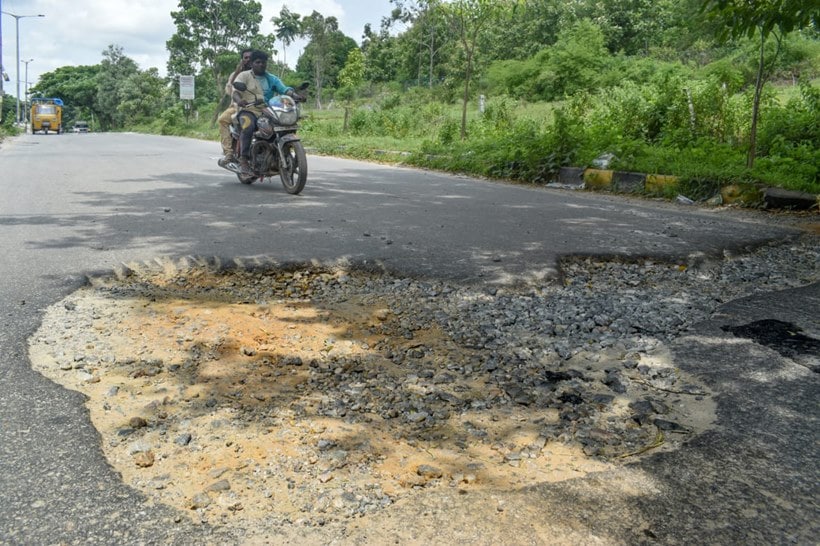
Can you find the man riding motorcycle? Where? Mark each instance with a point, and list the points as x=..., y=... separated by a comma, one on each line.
x=259, y=84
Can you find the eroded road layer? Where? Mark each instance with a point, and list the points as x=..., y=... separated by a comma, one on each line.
x=312, y=395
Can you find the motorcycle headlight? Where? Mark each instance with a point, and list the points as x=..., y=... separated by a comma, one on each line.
x=286, y=117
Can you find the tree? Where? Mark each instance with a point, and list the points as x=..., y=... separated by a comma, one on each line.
x=208, y=30
x=350, y=79
x=76, y=85
x=288, y=28
x=762, y=18
x=326, y=52
x=426, y=32
x=575, y=62
x=115, y=70
x=141, y=96
x=319, y=28
x=381, y=55
x=467, y=19
x=529, y=27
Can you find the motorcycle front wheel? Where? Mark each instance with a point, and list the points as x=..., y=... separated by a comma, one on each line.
x=293, y=170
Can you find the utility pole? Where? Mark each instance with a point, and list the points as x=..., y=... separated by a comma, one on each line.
x=25, y=95
x=2, y=70
x=17, y=32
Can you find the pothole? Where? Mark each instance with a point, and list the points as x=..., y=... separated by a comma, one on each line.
x=312, y=394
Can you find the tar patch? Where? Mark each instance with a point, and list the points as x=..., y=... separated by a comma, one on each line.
x=784, y=337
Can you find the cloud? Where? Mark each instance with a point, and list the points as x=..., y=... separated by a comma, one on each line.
x=77, y=32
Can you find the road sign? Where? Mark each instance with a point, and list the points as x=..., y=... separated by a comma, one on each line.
x=186, y=87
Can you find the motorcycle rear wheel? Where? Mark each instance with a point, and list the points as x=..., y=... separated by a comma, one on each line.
x=293, y=170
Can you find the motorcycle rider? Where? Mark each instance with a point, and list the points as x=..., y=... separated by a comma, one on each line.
x=226, y=117
x=260, y=84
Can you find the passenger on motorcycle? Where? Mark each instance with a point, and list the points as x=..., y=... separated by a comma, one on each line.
x=260, y=84
x=226, y=117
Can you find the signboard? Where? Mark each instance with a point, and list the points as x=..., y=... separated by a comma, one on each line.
x=186, y=87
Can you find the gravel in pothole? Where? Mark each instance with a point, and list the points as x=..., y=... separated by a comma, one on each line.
x=315, y=394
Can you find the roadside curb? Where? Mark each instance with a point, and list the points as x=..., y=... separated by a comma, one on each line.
x=631, y=182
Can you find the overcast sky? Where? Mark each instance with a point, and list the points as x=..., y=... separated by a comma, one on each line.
x=76, y=32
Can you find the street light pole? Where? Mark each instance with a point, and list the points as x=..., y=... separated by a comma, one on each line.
x=2, y=69
x=17, y=31
x=25, y=94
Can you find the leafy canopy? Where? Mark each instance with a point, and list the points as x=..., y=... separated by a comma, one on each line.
x=747, y=17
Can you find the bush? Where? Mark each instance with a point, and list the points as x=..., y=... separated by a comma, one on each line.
x=795, y=124
x=796, y=170
x=364, y=122
x=728, y=73
x=496, y=120
x=393, y=100
x=637, y=109
x=448, y=132
x=8, y=114
x=512, y=77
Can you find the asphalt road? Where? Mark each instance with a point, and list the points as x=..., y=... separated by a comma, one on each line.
x=73, y=205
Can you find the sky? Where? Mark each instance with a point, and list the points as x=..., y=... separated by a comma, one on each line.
x=76, y=32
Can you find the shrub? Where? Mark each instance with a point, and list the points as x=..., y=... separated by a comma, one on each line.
x=449, y=131
x=393, y=100
x=512, y=77
x=728, y=73
x=496, y=121
x=794, y=124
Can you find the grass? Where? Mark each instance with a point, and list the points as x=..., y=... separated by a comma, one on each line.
x=505, y=143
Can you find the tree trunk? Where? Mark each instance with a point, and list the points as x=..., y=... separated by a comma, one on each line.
x=219, y=93
x=432, y=55
x=750, y=157
x=418, y=70
x=467, y=74
x=318, y=75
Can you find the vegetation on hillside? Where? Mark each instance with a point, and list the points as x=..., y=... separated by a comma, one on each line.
x=713, y=91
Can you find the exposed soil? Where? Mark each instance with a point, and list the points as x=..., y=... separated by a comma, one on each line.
x=218, y=402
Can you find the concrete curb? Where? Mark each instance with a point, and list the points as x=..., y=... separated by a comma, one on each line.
x=631, y=182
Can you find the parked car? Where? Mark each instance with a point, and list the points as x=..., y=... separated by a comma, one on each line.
x=81, y=127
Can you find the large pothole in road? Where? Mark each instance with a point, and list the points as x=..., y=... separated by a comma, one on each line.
x=314, y=394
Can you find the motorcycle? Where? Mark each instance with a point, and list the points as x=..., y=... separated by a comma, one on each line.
x=275, y=148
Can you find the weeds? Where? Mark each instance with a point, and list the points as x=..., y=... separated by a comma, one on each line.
x=668, y=125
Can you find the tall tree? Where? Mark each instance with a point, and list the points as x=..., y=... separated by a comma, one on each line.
x=630, y=26
x=76, y=85
x=467, y=19
x=381, y=54
x=426, y=31
x=530, y=26
x=575, y=61
x=326, y=51
x=288, y=28
x=318, y=28
x=142, y=96
x=115, y=70
x=761, y=18
x=351, y=77
x=208, y=29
